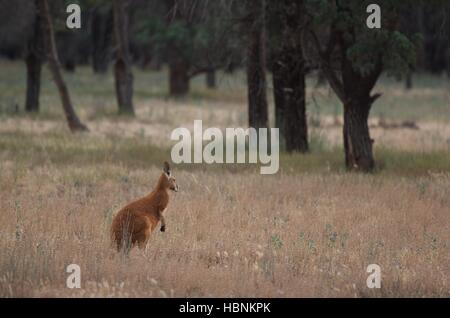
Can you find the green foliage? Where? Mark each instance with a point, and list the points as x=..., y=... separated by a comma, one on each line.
x=366, y=47
x=194, y=30
x=400, y=54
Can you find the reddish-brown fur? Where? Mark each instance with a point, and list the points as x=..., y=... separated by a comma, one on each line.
x=134, y=223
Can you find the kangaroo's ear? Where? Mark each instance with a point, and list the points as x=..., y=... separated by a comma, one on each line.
x=166, y=168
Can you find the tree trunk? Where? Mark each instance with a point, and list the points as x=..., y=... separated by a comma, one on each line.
x=291, y=68
x=256, y=65
x=447, y=62
x=66, y=47
x=289, y=96
x=34, y=66
x=52, y=57
x=408, y=81
x=211, y=79
x=357, y=100
x=69, y=65
x=178, y=76
x=321, y=79
x=278, y=96
x=357, y=141
x=33, y=62
x=179, y=66
x=122, y=67
x=296, y=127
x=101, y=29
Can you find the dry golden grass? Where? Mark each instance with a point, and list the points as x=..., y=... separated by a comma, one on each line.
x=228, y=234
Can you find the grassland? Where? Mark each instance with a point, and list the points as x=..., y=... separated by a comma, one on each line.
x=309, y=231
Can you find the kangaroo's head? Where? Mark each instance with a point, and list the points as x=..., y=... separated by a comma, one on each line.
x=167, y=180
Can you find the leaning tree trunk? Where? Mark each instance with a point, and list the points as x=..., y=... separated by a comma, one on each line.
x=357, y=141
x=256, y=65
x=53, y=62
x=122, y=67
x=33, y=63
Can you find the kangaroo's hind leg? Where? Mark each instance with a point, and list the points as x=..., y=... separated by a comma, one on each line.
x=143, y=237
x=146, y=233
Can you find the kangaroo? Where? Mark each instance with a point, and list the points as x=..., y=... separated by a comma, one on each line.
x=134, y=223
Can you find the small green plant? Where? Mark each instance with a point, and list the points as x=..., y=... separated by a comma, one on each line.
x=331, y=235
x=333, y=238
x=423, y=186
x=305, y=239
x=124, y=179
x=276, y=241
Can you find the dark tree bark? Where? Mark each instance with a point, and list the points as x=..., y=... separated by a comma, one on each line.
x=66, y=46
x=295, y=123
x=34, y=67
x=357, y=141
x=278, y=94
x=33, y=60
x=69, y=65
x=211, y=79
x=408, y=14
x=178, y=75
x=408, y=81
x=53, y=62
x=447, y=62
x=256, y=65
x=122, y=67
x=357, y=104
x=321, y=79
x=179, y=66
x=289, y=79
x=101, y=30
